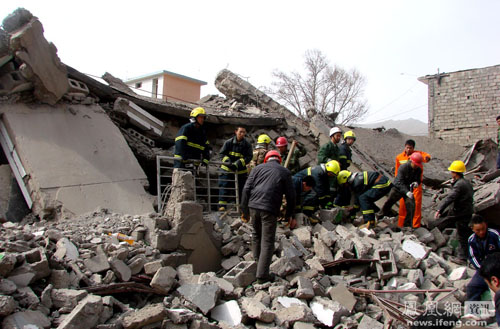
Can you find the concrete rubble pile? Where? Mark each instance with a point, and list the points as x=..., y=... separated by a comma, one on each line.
x=189, y=269
x=100, y=270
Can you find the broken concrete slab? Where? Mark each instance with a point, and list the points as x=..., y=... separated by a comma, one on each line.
x=121, y=269
x=228, y=312
x=288, y=316
x=147, y=315
x=98, y=263
x=26, y=319
x=67, y=298
x=85, y=314
x=71, y=177
x=257, y=310
x=7, y=305
x=139, y=117
x=204, y=296
x=66, y=249
x=164, y=279
x=343, y=296
x=40, y=63
x=328, y=312
x=369, y=323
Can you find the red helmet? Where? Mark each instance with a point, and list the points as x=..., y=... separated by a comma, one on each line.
x=416, y=158
x=281, y=141
x=272, y=153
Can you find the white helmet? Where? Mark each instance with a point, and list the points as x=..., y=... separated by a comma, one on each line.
x=335, y=130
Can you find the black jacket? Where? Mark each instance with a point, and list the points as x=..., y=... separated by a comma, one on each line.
x=461, y=195
x=265, y=187
x=322, y=180
x=363, y=181
x=238, y=153
x=406, y=176
x=191, y=143
x=345, y=156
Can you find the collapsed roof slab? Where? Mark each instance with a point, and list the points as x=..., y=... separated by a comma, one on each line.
x=75, y=160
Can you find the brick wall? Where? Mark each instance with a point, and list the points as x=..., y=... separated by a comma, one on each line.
x=463, y=105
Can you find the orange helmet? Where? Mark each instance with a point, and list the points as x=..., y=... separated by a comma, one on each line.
x=281, y=141
x=271, y=154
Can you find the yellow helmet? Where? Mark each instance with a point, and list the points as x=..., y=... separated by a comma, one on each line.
x=264, y=139
x=333, y=166
x=457, y=166
x=350, y=134
x=343, y=176
x=197, y=111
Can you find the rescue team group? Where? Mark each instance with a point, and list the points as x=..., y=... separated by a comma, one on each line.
x=330, y=184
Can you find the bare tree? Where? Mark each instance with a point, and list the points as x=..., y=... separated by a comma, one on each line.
x=323, y=89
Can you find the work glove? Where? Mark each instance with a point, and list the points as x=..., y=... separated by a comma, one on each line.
x=329, y=205
x=244, y=218
x=409, y=195
x=292, y=223
x=413, y=185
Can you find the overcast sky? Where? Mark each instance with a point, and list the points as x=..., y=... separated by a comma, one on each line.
x=390, y=42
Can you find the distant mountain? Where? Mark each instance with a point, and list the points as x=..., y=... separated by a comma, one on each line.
x=412, y=127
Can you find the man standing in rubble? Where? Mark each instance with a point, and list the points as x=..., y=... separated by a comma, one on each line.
x=402, y=158
x=345, y=153
x=298, y=152
x=368, y=187
x=460, y=198
x=330, y=150
x=409, y=177
x=260, y=151
x=261, y=202
x=191, y=142
x=236, y=153
x=322, y=174
x=482, y=242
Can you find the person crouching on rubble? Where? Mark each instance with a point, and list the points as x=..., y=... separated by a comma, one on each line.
x=191, y=142
x=409, y=177
x=460, y=198
x=368, y=187
x=322, y=174
x=261, y=201
x=306, y=201
x=490, y=272
x=482, y=242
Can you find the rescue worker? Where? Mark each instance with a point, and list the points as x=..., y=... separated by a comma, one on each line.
x=298, y=152
x=191, y=142
x=261, y=202
x=368, y=187
x=460, y=198
x=330, y=150
x=343, y=198
x=401, y=159
x=345, y=153
x=407, y=180
x=490, y=272
x=260, y=151
x=306, y=201
x=482, y=242
x=236, y=152
x=322, y=174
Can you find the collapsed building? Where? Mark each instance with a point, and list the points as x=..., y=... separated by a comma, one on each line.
x=84, y=244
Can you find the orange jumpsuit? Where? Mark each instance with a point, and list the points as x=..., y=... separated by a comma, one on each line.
x=417, y=193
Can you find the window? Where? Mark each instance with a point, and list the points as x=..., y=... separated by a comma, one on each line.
x=154, y=92
x=138, y=85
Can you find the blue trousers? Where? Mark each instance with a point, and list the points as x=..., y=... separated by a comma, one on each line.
x=476, y=287
x=498, y=160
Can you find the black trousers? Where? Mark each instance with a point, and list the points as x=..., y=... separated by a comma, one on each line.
x=461, y=223
x=395, y=196
x=264, y=231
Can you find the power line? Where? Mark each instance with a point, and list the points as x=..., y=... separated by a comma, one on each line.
x=395, y=115
x=396, y=99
